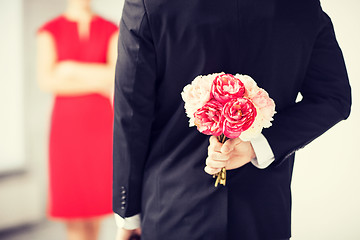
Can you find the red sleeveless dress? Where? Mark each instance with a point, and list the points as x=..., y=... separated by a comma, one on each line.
x=80, y=144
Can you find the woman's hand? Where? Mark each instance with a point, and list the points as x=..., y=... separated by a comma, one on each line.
x=234, y=153
x=72, y=72
x=65, y=69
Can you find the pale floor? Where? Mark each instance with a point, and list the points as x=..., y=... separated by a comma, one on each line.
x=48, y=230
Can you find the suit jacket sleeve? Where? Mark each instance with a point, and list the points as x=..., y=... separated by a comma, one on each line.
x=326, y=97
x=133, y=107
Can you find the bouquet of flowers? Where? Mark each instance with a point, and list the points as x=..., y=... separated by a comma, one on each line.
x=227, y=106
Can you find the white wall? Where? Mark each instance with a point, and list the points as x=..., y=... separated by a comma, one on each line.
x=326, y=181
x=12, y=148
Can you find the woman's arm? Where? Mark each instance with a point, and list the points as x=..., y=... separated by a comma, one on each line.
x=71, y=77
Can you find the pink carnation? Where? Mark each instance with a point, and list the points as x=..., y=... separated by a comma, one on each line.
x=225, y=104
x=208, y=118
x=226, y=87
x=238, y=115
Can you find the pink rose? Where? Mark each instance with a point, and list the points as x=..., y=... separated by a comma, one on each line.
x=208, y=118
x=226, y=87
x=238, y=115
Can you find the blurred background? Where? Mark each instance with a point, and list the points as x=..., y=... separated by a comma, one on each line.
x=326, y=178
x=25, y=119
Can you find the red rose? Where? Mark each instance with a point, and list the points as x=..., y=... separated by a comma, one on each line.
x=208, y=118
x=238, y=115
x=226, y=87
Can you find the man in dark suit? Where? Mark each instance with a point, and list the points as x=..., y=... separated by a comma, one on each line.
x=288, y=47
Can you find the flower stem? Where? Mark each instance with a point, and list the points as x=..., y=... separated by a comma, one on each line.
x=221, y=176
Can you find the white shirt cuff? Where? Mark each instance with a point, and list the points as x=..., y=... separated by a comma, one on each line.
x=264, y=154
x=129, y=223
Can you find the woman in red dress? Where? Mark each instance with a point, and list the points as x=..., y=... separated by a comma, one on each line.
x=76, y=62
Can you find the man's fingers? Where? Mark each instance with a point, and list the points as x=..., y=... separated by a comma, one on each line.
x=212, y=139
x=211, y=170
x=230, y=144
x=215, y=164
x=217, y=156
x=215, y=145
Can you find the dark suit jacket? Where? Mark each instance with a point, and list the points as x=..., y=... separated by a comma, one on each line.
x=286, y=46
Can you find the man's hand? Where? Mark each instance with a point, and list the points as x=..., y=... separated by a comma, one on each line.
x=125, y=234
x=234, y=153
